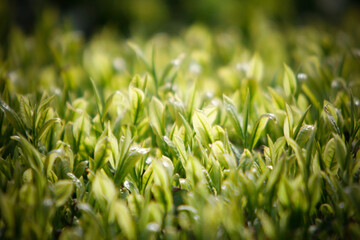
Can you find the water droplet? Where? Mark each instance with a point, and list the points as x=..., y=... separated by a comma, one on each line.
x=57, y=91
x=356, y=52
x=153, y=227
x=143, y=150
x=356, y=102
x=119, y=64
x=209, y=94
x=166, y=164
x=195, y=68
x=127, y=184
x=176, y=102
x=312, y=228
x=242, y=67
x=177, y=61
x=48, y=202
x=309, y=127
x=215, y=102
x=148, y=161
x=335, y=84
x=272, y=116
x=13, y=76
x=302, y=76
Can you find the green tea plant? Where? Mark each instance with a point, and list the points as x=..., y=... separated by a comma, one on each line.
x=179, y=137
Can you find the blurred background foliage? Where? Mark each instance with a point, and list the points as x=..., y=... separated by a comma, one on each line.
x=159, y=14
x=168, y=15
x=34, y=34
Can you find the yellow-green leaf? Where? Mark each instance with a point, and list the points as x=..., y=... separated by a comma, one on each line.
x=289, y=81
x=63, y=191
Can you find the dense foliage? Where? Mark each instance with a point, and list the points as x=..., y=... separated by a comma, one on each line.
x=186, y=136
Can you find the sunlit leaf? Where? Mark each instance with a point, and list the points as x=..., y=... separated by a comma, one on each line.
x=103, y=188
x=304, y=135
x=157, y=117
x=231, y=111
x=136, y=103
x=256, y=68
x=127, y=161
x=12, y=117
x=259, y=127
x=32, y=155
x=331, y=113
x=268, y=225
x=340, y=152
x=63, y=191
x=139, y=53
x=47, y=125
x=161, y=189
x=122, y=215
x=102, y=153
x=315, y=189
x=289, y=81
x=301, y=121
x=202, y=127
x=298, y=153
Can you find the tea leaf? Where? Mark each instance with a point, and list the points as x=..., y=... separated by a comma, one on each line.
x=43, y=102
x=267, y=225
x=256, y=68
x=329, y=156
x=63, y=191
x=139, y=53
x=103, y=188
x=304, y=135
x=110, y=100
x=188, y=129
x=246, y=114
x=124, y=219
x=99, y=101
x=128, y=161
x=301, y=121
x=340, y=152
x=157, y=117
x=46, y=126
x=12, y=117
x=202, y=127
x=102, y=153
x=298, y=153
x=78, y=184
x=181, y=149
x=259, y=127
x=161, y=189
x=136, y=100
x=231, y=111
x=277, y=98
x=315, y=189
x=330, y=113
x=289, y=81
x=32, y=155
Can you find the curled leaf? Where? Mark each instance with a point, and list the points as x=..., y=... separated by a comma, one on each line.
x=63, y=191
x=202, y=127
x=259, y=127
x=289, y=81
